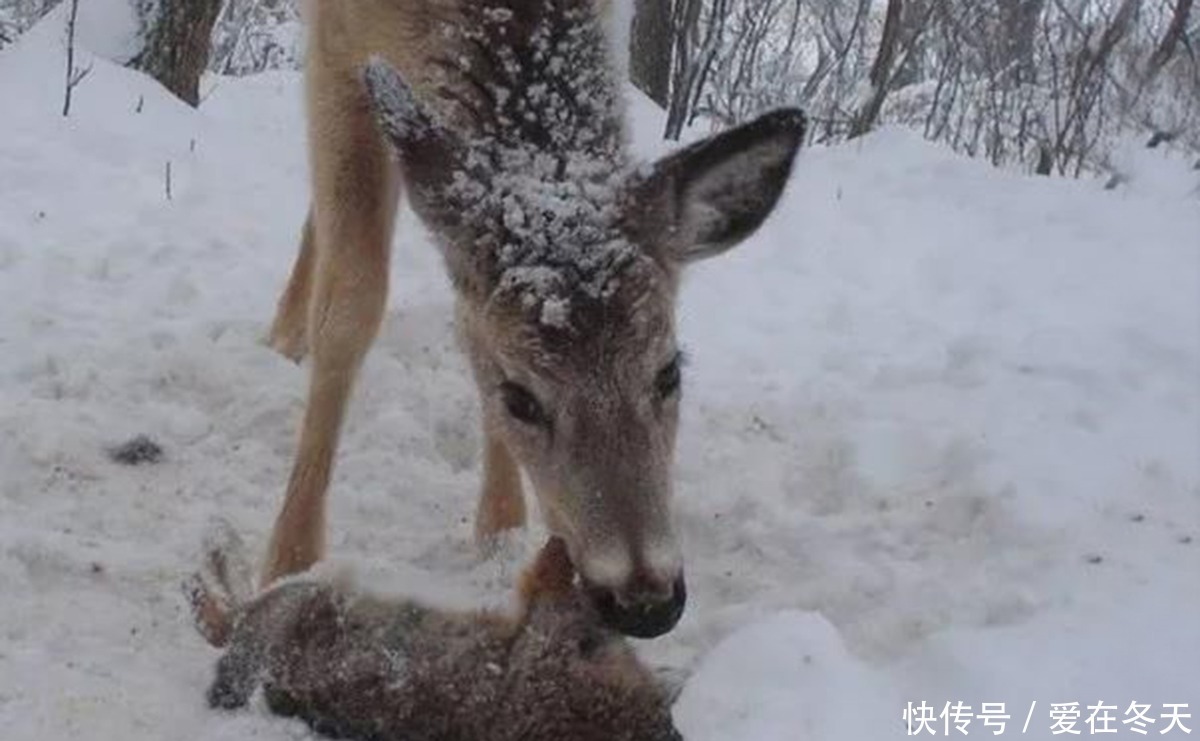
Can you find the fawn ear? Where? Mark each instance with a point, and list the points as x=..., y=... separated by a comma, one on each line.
x=708, y=197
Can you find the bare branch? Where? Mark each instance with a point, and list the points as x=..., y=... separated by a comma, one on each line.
x=73, y=78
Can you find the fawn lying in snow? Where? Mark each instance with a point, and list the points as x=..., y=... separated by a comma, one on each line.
x=360, y=667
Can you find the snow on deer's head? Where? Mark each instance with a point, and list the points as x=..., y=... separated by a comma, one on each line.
x=566, y=262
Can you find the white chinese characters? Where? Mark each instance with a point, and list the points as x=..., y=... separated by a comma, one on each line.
x=1063, y=718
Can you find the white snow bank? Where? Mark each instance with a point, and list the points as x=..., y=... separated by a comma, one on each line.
x=105, y=28
x=790, y=677
x=109, y=28
x=786, y=678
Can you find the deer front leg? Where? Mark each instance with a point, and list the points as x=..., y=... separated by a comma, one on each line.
x=347, y=310
x=501, y=502
x=355, y=195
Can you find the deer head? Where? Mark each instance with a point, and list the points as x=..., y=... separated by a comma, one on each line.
x=566, y=261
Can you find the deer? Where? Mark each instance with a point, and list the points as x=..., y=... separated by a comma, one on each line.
x=501, y=124
x=354, y=664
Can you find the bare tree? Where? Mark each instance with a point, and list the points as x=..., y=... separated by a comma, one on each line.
x=650, y=42
x=843, y=27
x=736, y=58
x=1082, y=85
x=178, y=40
x=881, y=71
x=74, y=75
x=1052, y=84
x=18, y=15
x=255, y=35
x=695, y=52
x=1175, y=33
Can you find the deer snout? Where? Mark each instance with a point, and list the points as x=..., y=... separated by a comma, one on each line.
x=646, y=603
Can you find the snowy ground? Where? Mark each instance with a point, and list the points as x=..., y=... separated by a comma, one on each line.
x=941, y=438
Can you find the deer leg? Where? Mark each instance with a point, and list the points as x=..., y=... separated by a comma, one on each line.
x=289, y=332
x=355, y=195
x=501, y=502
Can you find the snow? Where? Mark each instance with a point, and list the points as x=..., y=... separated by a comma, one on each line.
x=795, y=679
x=941, y=435
x=107, y=28
x=541, y=218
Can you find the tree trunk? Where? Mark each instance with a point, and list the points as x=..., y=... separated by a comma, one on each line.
x=650, y=41
x=1170, y=40
x=881, y=71
x=178, y=38
x=691, y=60
x=1020, y=21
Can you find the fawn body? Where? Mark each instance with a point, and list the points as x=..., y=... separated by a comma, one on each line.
x=362, y=667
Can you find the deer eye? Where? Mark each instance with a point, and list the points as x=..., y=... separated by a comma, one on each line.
x=522, y=404
x=666, y=383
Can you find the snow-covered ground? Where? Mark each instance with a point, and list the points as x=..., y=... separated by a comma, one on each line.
x=941, y=438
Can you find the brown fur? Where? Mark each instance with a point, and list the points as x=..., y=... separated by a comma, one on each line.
x=364, y=668
x=506, y=122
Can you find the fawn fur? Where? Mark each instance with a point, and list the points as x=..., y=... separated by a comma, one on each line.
x=358, y=666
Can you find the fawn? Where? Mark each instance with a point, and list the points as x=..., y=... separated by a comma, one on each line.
x=361, y=667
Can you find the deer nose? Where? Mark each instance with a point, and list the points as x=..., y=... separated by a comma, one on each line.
x=643, y=609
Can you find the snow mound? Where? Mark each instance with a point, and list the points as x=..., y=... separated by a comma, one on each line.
x=786, y=678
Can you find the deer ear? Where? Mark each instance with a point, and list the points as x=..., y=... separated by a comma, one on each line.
x=429, y=151
x=715, y=193
x=408, y=124
x=443, y=178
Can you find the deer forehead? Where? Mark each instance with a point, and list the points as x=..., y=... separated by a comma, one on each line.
x=546, y=236
x=561, y=330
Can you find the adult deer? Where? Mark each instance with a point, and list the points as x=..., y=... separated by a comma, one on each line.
x=504, y=120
